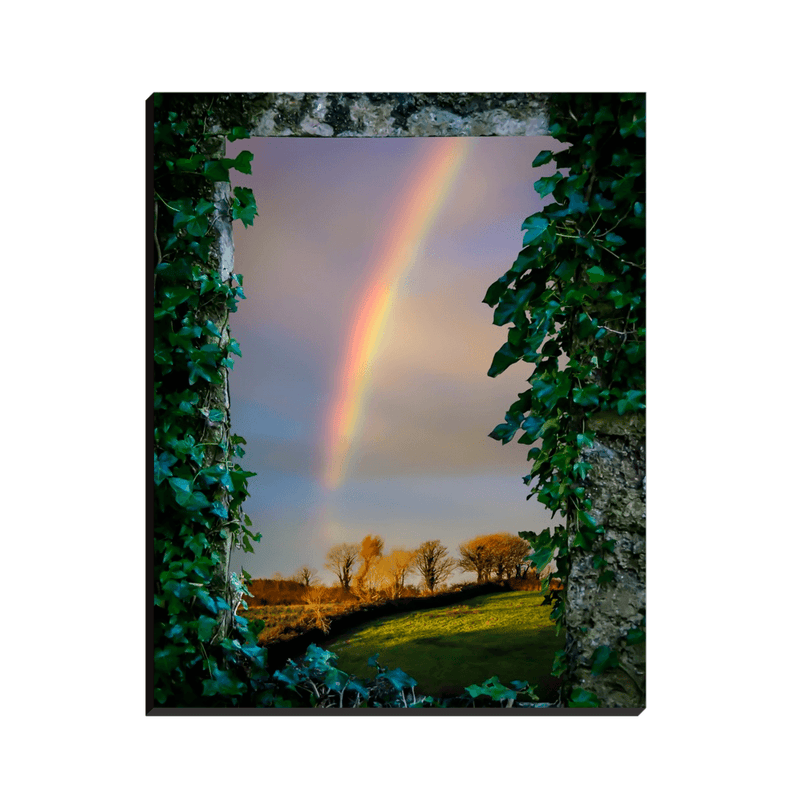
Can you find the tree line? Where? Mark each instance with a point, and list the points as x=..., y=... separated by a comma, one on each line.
x=365, y=571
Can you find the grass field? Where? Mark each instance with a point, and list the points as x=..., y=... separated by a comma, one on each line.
x=446, y=649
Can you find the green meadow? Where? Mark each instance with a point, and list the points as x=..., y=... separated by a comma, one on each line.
x=446, y=649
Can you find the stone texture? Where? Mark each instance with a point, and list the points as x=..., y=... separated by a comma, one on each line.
x=602, y=614
x=392, y=114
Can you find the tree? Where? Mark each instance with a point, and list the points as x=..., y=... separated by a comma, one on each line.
x=367, y=580
x=476, y=557
x=394, y=569
x=433, y=564
x=317, y=602
x=508, y=554
x=500, y=553
x=341, y=561
x=519, y=550
x=305, y=575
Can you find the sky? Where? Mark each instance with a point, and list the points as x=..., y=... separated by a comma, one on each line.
x=363, y=391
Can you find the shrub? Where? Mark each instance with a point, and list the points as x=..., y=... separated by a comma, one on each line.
x=314, y=680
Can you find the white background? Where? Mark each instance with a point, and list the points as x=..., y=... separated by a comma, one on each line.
x=722, y=291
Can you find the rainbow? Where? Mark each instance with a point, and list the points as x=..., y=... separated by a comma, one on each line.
x=418, y=208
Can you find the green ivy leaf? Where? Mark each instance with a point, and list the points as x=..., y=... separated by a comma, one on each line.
x=533, y=426
x=559, y=663
x=545, y=186
x=188, y=164
x=224, y=682
x=604, y=658
x=493, y=689
x=217, y=170
x=504, y=432
x=503, y=359
x=212, y=328
x=244, y=205
x=399, y=679
x=631, y=401
x=535, y=226
x=238, y=133
x=512, y=306
x=586, y=395
x=162, y=466
x=206, y=627
x=242, y=162
x=495, y=291
x=182, y=489
x=597, y=275
x=542, y=557
x=335, y=679
x=582, y=698
x=634, y=636
x=542, y=158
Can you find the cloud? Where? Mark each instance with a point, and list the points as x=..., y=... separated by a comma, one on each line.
x=431, y=405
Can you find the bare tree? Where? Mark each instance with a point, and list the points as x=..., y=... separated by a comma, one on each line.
x=305, y=575
x=316, y=600
x=433, y=564
x=341, y=560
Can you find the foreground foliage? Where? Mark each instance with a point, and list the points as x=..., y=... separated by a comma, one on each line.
x=316, y=681
x=203, y=650
x=575, y=303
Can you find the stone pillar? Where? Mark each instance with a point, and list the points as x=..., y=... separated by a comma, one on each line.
x=598, y=614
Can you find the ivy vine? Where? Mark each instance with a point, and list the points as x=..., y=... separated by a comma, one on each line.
x=204, y=652
x=575, y=302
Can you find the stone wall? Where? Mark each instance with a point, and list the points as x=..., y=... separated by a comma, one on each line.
x=352, y=114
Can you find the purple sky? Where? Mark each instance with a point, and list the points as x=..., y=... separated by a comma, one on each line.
x=423, y=467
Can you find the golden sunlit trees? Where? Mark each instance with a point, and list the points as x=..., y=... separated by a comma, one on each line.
x=394, y=569
x=341, y=561
x=508, y=553
x=433, y=564
x=476, y=557
x=501, y=554
x=368, y=580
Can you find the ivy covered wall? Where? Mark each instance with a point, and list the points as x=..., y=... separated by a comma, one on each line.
x=577, y=290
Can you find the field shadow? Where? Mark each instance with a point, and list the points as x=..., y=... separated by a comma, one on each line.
x=445, y=665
